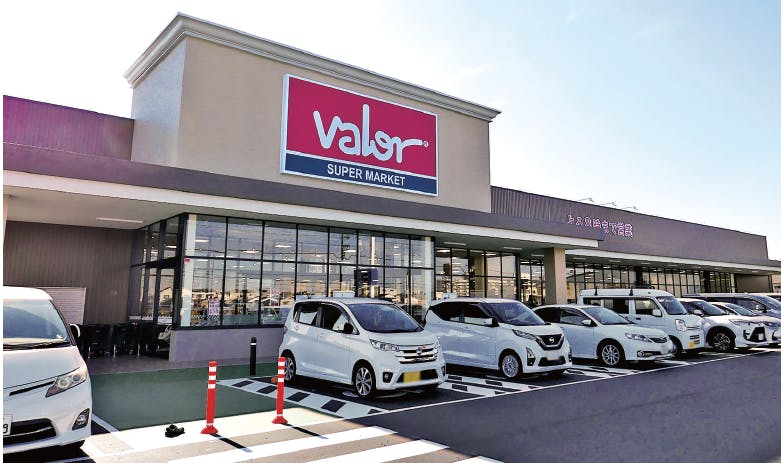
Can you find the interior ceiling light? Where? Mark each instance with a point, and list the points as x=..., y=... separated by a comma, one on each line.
x=538, y=255
x=455, y=243
x=113, y=219
x=512, y=248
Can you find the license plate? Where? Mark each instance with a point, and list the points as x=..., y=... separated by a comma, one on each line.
x=411, y=377
x=692, y=344
x=761, y=336
x=7, y=419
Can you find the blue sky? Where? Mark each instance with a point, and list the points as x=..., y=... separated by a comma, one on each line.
x=673, y=107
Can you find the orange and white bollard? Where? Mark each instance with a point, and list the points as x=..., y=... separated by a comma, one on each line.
x=280, y=391
x=211, y=395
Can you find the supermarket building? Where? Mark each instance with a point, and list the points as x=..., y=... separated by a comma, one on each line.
x=252, y=174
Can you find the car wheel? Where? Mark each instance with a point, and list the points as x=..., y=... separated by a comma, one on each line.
x=364, y=382
x=721, y=341
x=677, y=348
x=510, y=365
x=610, y=354
x=290, y=367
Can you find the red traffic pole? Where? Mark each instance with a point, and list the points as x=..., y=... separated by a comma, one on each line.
x=211, y=393
x=280, y=391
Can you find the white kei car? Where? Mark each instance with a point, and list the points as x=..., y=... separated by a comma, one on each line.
x=598, y=333
x=772, y=324
x=725, y=331
x=498, y=334
x=367, y=343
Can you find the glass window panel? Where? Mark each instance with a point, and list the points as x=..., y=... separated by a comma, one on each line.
x=508, y=266
x=493, y=264
x=397, y=250
x=311, y=279
x=493, y=287
x=136, y=291
x=245, y=238
x=460, y=285
x=343, y=246
x=139, y=246
x=165, y=302
x=477, y=286
x=422, y=248
x=312, y=244
x=443, y=266
x=371, y=248
x=171, y=237
x=509, y=288
x=277, y=292
x=209, y=240
x=477, y=263
x=396, y=287
x=279, y=242
x=341, y=278
x=422, y=291
x=459, y=263
x=154, y=242
x=242, y=292
x=201, y=292
x=148, y=306
x=367, y=285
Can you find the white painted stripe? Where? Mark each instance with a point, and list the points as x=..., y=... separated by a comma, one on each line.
x=480, y=460
x=90, y=449
x=678, y=362
x=104, y=424
x=211, y=386
x=586, y=372
x=482, y=382
x=389, y=453
x=212, y=369
x=622, y=371
x=288, y=446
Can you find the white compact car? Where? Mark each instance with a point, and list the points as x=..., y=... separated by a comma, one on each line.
x=651, y=308
x=47, y=396
x=772, y=324
x=498, y=334
x=368, y=343
x=599, y=333
x=725, y=331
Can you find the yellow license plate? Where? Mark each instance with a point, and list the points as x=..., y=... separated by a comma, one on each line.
x=410, y=377
x=692, y=344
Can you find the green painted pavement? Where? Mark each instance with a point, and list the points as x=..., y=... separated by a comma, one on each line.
x=134, y=400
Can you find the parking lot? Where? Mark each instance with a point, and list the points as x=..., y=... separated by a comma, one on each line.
x=479, y=416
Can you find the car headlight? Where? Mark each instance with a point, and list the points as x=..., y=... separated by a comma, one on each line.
x=741, y=322
x=384, y=345
x=525, y=335
x=680, y=325
x=67, y=381
x=637, y=337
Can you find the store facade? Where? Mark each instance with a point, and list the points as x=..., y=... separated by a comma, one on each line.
x=252, y=174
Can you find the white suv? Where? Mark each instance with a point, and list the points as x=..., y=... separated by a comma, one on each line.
x=723, y=330
x=368, y=343
x=498, y=334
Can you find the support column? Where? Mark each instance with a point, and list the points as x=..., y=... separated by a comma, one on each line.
x=6, y=198
x=555, y=276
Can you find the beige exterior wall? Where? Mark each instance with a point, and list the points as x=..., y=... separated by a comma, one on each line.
x=230, y=117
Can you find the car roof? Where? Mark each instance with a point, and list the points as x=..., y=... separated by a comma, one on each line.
x=487, y=300
x=569, y=306
x=623, y=292
x=18, y=292
x=347, y=300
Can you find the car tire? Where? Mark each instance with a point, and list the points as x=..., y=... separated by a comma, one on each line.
x=290, y=367
x=510, y=365
x=677, y=348
x=364, y=381
x=610, y=354
x=721, y=341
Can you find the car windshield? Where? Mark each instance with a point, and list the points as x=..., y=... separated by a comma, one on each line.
x=769, y=302
x=709, y=308
x=775, y=297
x=32, y=323
x=384, y=318
x=738, y=309
x=606, y=316
x=671, y=305
x=515, y=313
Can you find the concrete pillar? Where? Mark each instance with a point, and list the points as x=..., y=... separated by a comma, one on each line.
x=6, y=198
x=555, y=276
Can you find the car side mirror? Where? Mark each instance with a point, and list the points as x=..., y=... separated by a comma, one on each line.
x=586, y=322
x=348, y=328
x=490, y=322
x=698, y=312
x=75, y=330
x=656, y=312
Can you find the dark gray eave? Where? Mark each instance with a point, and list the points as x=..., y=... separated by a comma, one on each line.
x=44, y=161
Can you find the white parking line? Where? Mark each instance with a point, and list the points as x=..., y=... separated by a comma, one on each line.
x=389, y=453
x=488, y=383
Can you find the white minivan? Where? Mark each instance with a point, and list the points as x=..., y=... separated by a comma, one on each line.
x=368, y=343
x=654, y=309
x=498, y=334
x=47, y=396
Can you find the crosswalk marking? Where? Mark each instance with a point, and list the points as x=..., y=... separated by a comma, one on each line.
x=388, y=453
x=288, y=446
